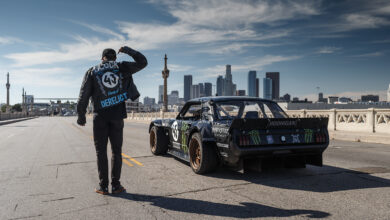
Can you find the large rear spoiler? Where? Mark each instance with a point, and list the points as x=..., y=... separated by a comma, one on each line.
x=278, y=123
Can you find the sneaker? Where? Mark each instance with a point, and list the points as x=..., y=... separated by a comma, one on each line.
x=102, y=190
x=117, y=189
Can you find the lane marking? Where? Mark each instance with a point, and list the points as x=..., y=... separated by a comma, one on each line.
x=127, y=162
x=132, y=159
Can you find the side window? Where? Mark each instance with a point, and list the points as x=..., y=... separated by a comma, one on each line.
x=194, y=112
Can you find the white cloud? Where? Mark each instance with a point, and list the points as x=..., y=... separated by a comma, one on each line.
x=9, y=40
x=374, y=54
x=43, y=77
x=328, y=50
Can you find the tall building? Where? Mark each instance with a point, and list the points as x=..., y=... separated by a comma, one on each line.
x=257, y=87
x=370, y=98
x=240, y=93
x=195, y=92
x=388, y=94
x=234, y=89
x=187, y=87
x=208, y=88
x=173, y=98
x=160, y=93
x=201, y=89
x=267, y=88
x=252, y=83
x=287, y=97
x=275, y=76
x=228, y=85
x=149, y=101
x=220, y=86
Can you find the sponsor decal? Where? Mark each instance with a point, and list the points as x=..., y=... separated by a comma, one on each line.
x=283, y=138
x=184, y=128
x=308, y=135
x=113, y=100
x=270, y=139
x=175, y=131
x=282, y=123
x=99, y=69
x=110, y=79
x=295, y=138
x=255, y=137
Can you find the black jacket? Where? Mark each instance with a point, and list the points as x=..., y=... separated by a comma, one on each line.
x=89, y=89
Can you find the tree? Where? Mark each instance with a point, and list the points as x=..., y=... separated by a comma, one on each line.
x=17, y=107
x=3, y=108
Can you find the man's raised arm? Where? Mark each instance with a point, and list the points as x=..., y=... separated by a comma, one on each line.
x=85, y=94
x=133, y=67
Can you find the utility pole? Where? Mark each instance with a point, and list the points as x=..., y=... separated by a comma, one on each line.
x=8, y=86
x=165, y=75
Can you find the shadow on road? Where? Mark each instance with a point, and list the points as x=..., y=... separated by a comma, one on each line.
x=244, y=210
x=315, y=179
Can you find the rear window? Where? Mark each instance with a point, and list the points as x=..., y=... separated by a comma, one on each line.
x=248, y=109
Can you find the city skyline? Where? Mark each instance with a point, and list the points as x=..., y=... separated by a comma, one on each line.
x=341, y=47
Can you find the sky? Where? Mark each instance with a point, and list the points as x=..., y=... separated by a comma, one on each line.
x=335, y=47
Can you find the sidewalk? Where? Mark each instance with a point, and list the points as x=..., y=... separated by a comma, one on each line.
x=380, y=138
x=14, y=120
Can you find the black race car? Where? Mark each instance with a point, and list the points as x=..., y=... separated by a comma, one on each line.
x=236, y=131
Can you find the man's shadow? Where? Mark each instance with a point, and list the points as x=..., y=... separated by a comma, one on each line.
x=244, y=210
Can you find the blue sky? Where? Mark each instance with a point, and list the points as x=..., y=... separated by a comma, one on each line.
x=342, y=47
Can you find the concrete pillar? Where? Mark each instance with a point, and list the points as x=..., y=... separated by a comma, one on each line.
x=371, y=119
x=332, y=119
x=303, y=113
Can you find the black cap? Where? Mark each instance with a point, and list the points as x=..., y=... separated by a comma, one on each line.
x=109, y=53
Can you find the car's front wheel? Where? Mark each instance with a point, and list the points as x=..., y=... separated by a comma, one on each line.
x=158, y=141
x=203, y=158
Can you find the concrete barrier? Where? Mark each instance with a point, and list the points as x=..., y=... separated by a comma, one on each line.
x=366, y=125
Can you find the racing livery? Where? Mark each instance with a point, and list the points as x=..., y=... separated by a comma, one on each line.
x=236, y=131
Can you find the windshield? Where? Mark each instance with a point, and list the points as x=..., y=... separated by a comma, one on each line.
x=248, y=109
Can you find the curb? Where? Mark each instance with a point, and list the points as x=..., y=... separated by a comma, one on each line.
x=15, y=120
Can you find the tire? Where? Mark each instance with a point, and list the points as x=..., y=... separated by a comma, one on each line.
x=158, y=141
x=203, y=158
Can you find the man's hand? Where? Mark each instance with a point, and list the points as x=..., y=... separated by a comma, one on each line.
x=127, y=50
x=81, y=120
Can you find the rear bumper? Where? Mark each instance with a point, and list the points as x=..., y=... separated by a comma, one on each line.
x=236, y=153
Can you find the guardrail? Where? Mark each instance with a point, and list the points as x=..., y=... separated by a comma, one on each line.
x=361, y=120
x=9, y=116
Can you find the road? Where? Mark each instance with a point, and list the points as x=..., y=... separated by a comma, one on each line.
x=48, y=171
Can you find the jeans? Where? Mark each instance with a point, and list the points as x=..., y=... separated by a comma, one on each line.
x=102, y=131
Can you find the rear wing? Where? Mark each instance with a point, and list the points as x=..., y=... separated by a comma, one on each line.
x=278, y=123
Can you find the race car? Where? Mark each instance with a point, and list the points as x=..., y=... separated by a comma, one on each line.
x=235, y=131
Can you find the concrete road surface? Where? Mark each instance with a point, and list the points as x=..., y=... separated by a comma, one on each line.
x=48, y=171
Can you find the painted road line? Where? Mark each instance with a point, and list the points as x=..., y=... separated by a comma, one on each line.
x=132, y=159
x=127, y=162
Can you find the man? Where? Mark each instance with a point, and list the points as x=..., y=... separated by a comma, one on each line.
x=109, y=84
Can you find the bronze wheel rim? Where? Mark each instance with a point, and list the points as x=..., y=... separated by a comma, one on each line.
x=152, y=140
x=195, y=155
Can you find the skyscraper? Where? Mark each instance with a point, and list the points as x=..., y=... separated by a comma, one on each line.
x=252, y=83
x=201, y=89
x=267, y=88
x=160, y=93
x=228, y=85
x=187, y=87
x=208, y=88
x=257, y=87
x=388, y=94
x=195, y=93
x=220, y=86
x=275, y=83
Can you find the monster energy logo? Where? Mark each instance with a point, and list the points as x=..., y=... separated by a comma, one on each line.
x=255, y=137
x=308, y=135
x=183, y=129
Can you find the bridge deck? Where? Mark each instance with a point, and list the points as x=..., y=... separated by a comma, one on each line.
x=48, y=171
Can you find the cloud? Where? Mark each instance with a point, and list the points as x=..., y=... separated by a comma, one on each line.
x=9, y=40
x=43, y=77
x=233, y=14
x=374, y=54
x=328, y=50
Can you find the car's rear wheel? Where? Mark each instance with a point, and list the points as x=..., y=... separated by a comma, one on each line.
x=203, y=158
x=158, y=141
